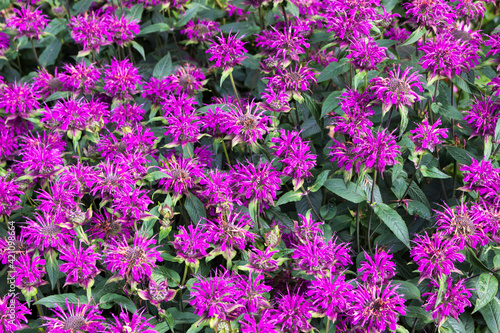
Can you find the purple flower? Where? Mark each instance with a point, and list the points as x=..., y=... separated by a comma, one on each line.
x=346, y=155
x=19, y=99
x=109, y=228
x=378, y=270
x=365, y=54
x=483, y=116
x=9, y=142
x=12, y=321
x=46, y=83
x=397, y=89
x=276, y=100
x=191, y=245
x=258, y=324
x=132, y=204
x=357, y=112
x=376, y=307
x=156, y=89
x=445, y=56
x=217, y=190
x=427, y=137
x=293, y=313
x=182, y=129
x=495, y=84
x=226, y=52
x=378, y=151
x=4, y=43
x=127, y=115
x=28, y=273
x=472, y=11
x=348, y=24
x=81, y=77
x=261, y=261
x=77, y=318
x=255, y=183
x=47, y=233
x=330, y=295
x=122, y=30
x=247, y=124
x=452, y=302
x=435, y=256
x=9, y=196
x=465, y=226
x=78, y=178
x=121, y=79
x=137, y=324
x=79, y=265
x=187, y=78
x=58, y=199
x=183, y=173
x=293, y=81
x=157, y=293
x=179, y=105
x=91, y=30
x=286, y=46
x=252, y=290
x=430, y=13
x=201, y=32
x=132, y=262
x=307, y=229
x=229, y=233
x=27, y=22
x=397, y=33
x=215, y=297
x=482, y=177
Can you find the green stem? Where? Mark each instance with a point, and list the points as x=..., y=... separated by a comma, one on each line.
x=455, y=169
x=38, y=307
x=357, y=227
x=371, y=208
x=34, y=52
x=431, y=116
x=234, y=88
x=186, y=267
x=412, y=177
x=311, y=205
x=327, y=325
x=225, y=152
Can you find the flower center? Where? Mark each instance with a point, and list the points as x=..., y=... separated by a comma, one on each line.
x=133, y=254
x=186, y=80
x=49, y=230
x=398, y=85
x=463, y=225
x=202, y=29
x=74, y=323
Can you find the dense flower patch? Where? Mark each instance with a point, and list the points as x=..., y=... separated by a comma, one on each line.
x=249, y=166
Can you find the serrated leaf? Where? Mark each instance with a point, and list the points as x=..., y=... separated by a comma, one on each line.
x=486, y=289
x=320, y=181
x=290, y=196
x=331, y=103
x=408, y=289
x=157, y=27
x=393, y=221
x=50, y=54
x=334, y=69
x=82, y=6
x=138, y=47
x=56, y=26
x=51, y=301
x=155, y=175
x=106, y=302
x=188, y=15
x=163, y=67
x=433, y=172
x=135, y=13
x=52, y=268
x=415, y=36
x=195, y=208
x=350, y=192
x=491, y=315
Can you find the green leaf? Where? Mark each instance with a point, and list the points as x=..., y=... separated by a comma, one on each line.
x=106, y=302
x=82, y=6
x=491, y=314
x=188, y=15
x=433, y=172
x=393, y=221
x=51, y=301
x=486, y=289
x=49, y=55
x=351, y=192
x=415, y=36
x=418, y=312
x=462, y=156
x=334, y=69
x=52, y=267
x=454, y=326
x=57, y=95
x=139, y=49
x=163, y=67
x=474, y=260
x=158, y=27
x=155, y=175
x=290, y=196
x=320, y=181
x=488, y=145
x=416, y=207
x=135, y=13
x=409, y=290
x=328, y=211
x=292, y=9
x=331, y=103
x=56, y=26
x=403, y=112
x=314, y=107
x=195, y=208
x=164, y=326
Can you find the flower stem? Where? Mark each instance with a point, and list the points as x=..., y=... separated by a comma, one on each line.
x=34, y=52
x=371, y=208
x=40, y=312
x=225, y=152
x=327, y=325
x=412, y=177
x=390, y=116
x=234, y=88
x=311, y=205
x=186, y=267
x=357, y=229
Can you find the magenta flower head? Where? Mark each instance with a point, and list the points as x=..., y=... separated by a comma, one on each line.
x=252, y=292
x=188, y=79
x=81, y=77
x=293, y=81
x=483, y=116
x=122, y=29
x=157, y=293
x=77, y=318
x=121, y=79
x=452, y=302
x=435, y=256
x=252, y=183
x=427, y=136
x=227, y=52
x=495, y=85
x=80, y=265
x=201, y=32
x=9, y=196
x=293, y=313
x=376, y=308
x=330, y=295
x=12, y=321
x=258, y=324
x=365, y=54
x=216, y=297
x=247, y=124
x=191, y=245
x=446, y=56
x=28, y=22
x=28, y=273
x=378, y=151
x=398, y=88
x=184, y=173
x=46, y=232
x=261, y=261
x=91, y=30
x=133, y=262
x=4, y=43
x=137, y=324
x=463, y=225
x=19, y=99
x=379, y=269
x=432, y=13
